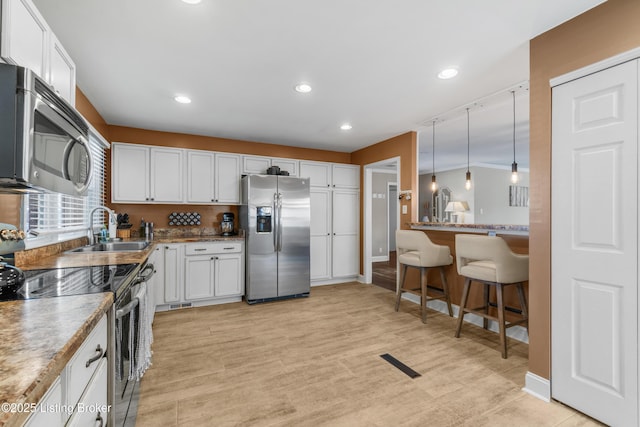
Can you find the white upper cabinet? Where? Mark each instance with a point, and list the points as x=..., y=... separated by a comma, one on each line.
x=200, y=176
x=255, y=165
x=27, y=40
x=319, y=173
x=62, y=71
x=260, y=164
x=143, y=174
x=25, y=36
x=334, y=175
x=227, y=169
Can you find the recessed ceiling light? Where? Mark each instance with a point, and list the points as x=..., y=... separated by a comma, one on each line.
x=183, y=99
x=303, y=88
x=448, y=73
x=346, y=126
x=192, y=1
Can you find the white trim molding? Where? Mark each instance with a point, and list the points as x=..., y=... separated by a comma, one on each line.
x=537, y=386
x=629, y=55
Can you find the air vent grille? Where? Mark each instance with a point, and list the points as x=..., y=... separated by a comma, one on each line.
x=47, y=94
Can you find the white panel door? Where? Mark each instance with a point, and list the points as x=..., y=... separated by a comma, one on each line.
x=595, y=245
x=228, y=275
x=255, y=165
x=62, y=71
x=198, y=277
x=200, y=177
x=166, y=175
x=320, y=233
x=319, y=174
x=346, y=230
x=346, y=176
x=173, y=280
x=288, y=165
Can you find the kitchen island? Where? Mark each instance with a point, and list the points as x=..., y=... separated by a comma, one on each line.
x=516, y=236
x=37, y=339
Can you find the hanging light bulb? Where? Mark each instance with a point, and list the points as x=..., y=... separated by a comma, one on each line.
x=467, y=184
x=514, y=165
x=434, y=185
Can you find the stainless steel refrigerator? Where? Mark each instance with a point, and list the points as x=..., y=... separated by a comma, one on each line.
x=275, y=214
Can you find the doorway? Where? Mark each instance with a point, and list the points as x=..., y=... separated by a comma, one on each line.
x=381, y=220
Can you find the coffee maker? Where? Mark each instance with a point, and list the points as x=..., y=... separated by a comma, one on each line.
x=226, y=226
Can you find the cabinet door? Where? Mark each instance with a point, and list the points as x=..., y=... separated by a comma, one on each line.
x=62, y=71
x=346, y=176
x=172, y=273
x=288, y=165
x=255, y=165
x=166, y=175
x=200, y=177
x=318, y=173
x=94, y=400
x=320, y=232
x=155, y=285
x=228, y=275
x=198, y=280
x=227, y=178
x=129, y=173
x=346, y=228
x=52, y=418
x=25, y=36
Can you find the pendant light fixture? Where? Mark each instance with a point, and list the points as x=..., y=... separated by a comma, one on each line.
x=434, y=185
x=467, y=184
x=514, y=165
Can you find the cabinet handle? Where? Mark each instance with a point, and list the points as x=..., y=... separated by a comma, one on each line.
x=228, y=249
x=166, y=247
x=99, y=420
x=200, y=249
x=96, y=357
x=147, y=199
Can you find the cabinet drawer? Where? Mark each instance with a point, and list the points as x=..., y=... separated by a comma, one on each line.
x=92, y=410
x=213, y=248
x=84, y=363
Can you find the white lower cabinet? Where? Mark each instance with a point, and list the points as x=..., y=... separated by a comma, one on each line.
x=79, y=396
x=197, y=274
x=46, y=413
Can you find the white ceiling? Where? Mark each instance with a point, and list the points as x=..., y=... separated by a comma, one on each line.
x=370, y=63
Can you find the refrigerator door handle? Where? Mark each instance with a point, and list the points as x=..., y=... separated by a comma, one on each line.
x=274, y=220
x=279, y=227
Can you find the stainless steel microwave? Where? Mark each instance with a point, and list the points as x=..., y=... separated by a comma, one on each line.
x=43, y=141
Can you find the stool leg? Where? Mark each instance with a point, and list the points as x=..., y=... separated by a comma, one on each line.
x=445, y=287
x=485, y=321
x=503, y=335
x=423, y=293
x=523, y=304
x=463, y=304
x=400, y=285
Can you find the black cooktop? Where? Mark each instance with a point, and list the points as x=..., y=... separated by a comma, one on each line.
x=72, y=281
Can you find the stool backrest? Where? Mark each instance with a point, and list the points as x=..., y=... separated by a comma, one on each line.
x=510, y=267
x=418, y=241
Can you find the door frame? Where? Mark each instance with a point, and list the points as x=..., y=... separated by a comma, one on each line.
x=389, y=184
x=368, y=178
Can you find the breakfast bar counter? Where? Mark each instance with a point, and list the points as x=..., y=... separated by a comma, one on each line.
x=516, y=237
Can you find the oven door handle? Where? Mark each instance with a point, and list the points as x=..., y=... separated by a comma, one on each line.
x=146, y=273
x=121, y=312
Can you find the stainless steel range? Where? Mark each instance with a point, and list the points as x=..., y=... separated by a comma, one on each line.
x=122, y=280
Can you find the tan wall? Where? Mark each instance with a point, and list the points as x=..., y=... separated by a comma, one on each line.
x=602, y=32
x=404, y=146
x=86, y=108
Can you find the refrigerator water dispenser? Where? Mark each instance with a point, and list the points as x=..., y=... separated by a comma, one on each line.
x=263, y=219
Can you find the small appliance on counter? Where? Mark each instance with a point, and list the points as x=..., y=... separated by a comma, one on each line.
x=227, y=227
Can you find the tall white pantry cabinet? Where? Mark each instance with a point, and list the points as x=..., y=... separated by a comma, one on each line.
x=335, y=221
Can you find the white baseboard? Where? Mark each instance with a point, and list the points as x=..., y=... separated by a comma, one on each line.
x=381, y=258
x=358, y=278
x=537, y=386
x=518, y=333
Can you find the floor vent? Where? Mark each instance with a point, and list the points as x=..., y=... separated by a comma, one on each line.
x=398, y=364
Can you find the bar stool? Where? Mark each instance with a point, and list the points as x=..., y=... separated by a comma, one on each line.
x=489, y=261
x=414, y=249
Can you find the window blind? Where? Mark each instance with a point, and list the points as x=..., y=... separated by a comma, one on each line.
x=60, y=213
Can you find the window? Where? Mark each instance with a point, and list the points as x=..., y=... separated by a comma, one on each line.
x=63, y=216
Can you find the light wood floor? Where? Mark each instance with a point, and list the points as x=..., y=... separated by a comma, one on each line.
x=316, y=362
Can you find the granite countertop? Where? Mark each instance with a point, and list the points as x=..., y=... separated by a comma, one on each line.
x=478, y=228
x=37, y=339
x=80, y=259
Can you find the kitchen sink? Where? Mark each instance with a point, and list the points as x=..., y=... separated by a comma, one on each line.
x=113, y=247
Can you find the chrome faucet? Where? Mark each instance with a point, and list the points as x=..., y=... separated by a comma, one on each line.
x=112, y=222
